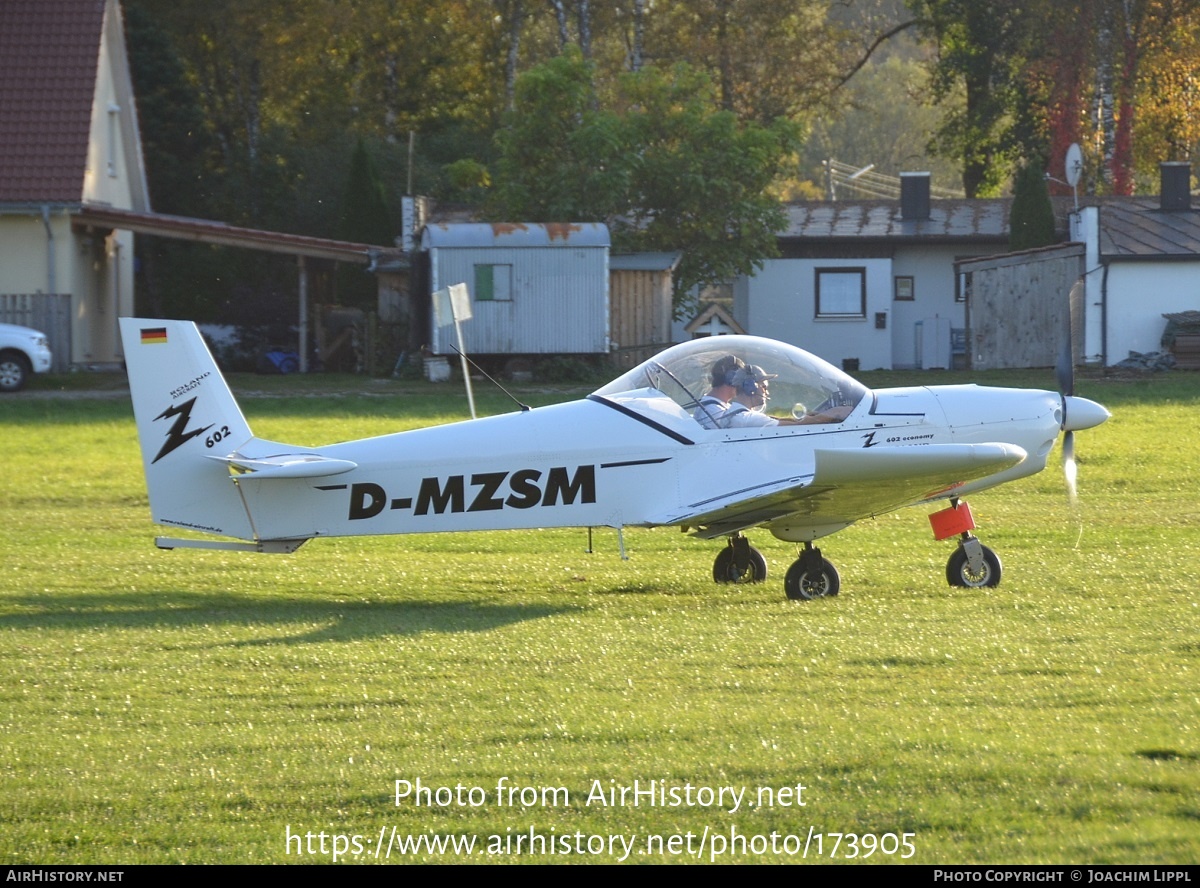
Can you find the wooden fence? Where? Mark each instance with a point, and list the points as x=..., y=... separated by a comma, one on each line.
x=1017, y=306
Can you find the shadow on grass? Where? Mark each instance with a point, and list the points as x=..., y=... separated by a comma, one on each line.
x=339, y=620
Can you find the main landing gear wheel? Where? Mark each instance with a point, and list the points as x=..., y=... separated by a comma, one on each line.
x=739, y=562
x=811, y=577
x=985, y=573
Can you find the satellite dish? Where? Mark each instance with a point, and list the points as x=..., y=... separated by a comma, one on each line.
x=1074, y=164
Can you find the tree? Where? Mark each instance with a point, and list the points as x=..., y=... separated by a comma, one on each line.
x=981, y=48
x=768, y=59
x=664, y=168
x=1157, y=79
x=1031, y=219
x=561, y=158
x=886, y=123
x=1168, y=125
x=365, y=219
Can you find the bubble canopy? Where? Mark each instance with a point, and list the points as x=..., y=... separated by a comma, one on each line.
x=803, y=382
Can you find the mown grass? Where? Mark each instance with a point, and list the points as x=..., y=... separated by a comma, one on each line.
x=194, y=706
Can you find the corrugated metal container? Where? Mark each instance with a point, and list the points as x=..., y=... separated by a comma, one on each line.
x=536, y=288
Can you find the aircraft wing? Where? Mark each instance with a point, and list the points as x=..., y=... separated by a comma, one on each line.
x=845, y=486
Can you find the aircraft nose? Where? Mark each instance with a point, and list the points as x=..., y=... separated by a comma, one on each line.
x=1080, y=413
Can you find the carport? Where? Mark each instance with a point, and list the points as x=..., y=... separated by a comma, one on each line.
x=208, y=232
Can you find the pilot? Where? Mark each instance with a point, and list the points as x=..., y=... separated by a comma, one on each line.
x=751, y=392
x=751, y=386
x=714, y=404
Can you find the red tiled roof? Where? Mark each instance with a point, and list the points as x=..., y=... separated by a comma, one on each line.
x=49, y=53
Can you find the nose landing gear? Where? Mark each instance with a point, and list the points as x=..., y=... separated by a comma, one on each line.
x=972, y=564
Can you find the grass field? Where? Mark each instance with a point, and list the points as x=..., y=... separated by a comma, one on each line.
x=212, y=707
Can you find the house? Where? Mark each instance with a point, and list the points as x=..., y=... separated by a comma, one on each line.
x=871, y=284
x=1142, y=261
x=69, y=131
x=73, y=184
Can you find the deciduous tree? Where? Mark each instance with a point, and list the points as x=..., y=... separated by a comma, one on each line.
x=664, y=167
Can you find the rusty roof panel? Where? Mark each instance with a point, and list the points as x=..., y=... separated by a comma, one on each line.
x=515, y=234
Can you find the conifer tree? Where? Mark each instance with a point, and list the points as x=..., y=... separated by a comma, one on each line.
x=1031, y=221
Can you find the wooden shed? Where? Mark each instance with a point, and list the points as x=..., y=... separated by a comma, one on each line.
x=641, y=287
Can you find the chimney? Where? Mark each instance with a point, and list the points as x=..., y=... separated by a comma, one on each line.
x=1175, y=185
x=914, y=196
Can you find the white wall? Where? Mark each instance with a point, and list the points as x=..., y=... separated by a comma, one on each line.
x=1138, y=294
x=558, y=301
x=932, y=271
x=1124, y=308
x=25, y=252
x=1085, y=229
x=780, y=302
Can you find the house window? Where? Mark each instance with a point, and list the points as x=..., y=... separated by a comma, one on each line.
x=113, y=110
x=841, y=292
x=903, y=288
x=962, y=280
x=962, y=286
x=493, y=283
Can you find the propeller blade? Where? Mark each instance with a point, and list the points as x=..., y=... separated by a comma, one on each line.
x=1070, y=470
x=1065, y=366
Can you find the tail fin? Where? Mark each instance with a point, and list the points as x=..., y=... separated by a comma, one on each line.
x=186, y=415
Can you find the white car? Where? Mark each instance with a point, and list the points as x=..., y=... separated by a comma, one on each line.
x=22, y=351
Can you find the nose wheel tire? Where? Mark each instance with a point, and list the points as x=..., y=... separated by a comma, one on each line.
x=960, y=573
x=806, y=581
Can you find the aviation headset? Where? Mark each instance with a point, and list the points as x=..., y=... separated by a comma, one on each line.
x=726, y=369
x=749, y=379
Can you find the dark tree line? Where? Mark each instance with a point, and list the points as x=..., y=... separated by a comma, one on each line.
x=686, y=116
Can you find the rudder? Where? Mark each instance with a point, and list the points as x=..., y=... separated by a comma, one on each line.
x=185, y=413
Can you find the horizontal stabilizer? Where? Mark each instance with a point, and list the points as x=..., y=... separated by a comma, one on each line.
x=285, y=465
x=274, y=547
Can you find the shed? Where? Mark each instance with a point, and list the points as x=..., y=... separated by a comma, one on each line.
x=536, y=288
x=642, y=287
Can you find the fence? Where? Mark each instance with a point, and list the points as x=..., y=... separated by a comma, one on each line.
x=48, y=312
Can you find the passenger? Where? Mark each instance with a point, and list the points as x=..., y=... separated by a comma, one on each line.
x=752, y=391
x=717, y=401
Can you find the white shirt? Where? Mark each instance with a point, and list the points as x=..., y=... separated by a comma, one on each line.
x=709, y=411
x=739, y=416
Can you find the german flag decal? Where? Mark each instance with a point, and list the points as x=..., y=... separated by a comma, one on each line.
x=154, y=336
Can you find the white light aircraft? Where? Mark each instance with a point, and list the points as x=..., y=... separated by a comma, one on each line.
x=635, y=453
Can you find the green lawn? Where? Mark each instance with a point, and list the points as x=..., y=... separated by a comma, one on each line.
x=197, y=706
